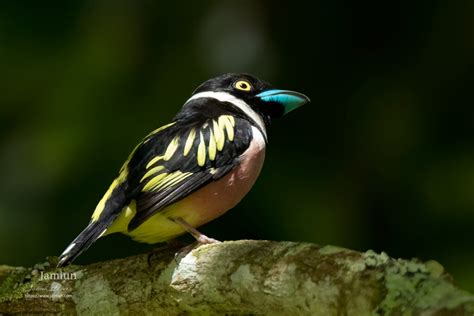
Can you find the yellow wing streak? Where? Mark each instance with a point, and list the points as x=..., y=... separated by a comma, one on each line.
x=161, y=128
x=201, y=153
x=189, y=141
x=227, y=122
x=171, y=149
x=146, y=139
x=154, y=182
x=179, y=179
x=152, y=171
x=164, y=182
x=231, y=119
x=124, y=172
x=171, y=180
x=154, y=160
x=212, y=146
x=218, y=135
x=100, y=207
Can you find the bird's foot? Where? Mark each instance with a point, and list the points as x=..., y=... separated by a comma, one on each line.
x=201, y=239
x=184, y=251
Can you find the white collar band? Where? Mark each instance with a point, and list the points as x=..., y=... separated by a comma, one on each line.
x=242, y=105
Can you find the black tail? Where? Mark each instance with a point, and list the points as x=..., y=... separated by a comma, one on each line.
x=82, y=242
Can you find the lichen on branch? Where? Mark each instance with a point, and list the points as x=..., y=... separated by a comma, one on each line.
x=237, y=277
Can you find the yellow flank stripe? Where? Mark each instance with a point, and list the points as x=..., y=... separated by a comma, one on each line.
x=125, y=164
x=218, y=135
x=201, y=153
x=101, y=205
x=212, y=146
x=152, y=171
x=154, y=182
x=189, y=141
x=121, y=223
x=171, y=149
x=154, y=160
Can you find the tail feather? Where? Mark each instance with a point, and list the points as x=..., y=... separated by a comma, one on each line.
x=82, y=242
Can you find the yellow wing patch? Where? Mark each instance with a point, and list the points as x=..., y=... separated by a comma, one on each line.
x=153, y=182
x=151, y=172
x=217, y=135
x=227, y=122
x=189, y=142
x=172, y=179
x=154, y=160
x=201, y=153
x=163, y=181
x=212, y=146
x=220, y=129
x=171, y=149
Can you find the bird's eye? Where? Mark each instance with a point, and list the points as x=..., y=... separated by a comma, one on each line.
x=243, y=85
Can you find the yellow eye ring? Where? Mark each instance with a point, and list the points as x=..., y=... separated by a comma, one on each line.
x=243, y=85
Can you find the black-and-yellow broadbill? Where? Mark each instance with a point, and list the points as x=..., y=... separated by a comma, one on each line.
x=192, y=170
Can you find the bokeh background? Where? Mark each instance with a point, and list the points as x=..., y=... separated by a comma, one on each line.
x=383, y=158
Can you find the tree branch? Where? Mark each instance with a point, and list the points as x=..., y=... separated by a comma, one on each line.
x=237, y=277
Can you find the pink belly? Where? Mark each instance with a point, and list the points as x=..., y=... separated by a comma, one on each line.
x=207, y=203
x=220, y=196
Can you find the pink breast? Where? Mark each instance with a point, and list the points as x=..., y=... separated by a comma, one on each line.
x=218, y=197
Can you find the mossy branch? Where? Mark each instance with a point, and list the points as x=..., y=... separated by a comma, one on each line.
x=237, y=277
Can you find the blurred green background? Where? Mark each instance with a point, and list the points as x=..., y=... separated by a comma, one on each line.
x=383, y=158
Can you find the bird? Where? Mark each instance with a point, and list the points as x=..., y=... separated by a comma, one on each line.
x=192, y=170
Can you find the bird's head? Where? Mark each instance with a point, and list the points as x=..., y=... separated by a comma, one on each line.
x=260, y=96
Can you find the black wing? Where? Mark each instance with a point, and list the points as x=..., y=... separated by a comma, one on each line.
x=176, y=161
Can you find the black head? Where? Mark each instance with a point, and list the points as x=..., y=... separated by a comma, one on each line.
x=259, y=95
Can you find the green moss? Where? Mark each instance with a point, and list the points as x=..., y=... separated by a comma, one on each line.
x=368, y=260
x=412, y=287
x=95, y=296
x=15, y=283
x=12, y=283
x=200, y=250
x=434, y=268
x=357, y=266
x=373, y=259
x=329, y=250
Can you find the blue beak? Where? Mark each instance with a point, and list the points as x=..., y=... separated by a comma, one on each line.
x=290, y=100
